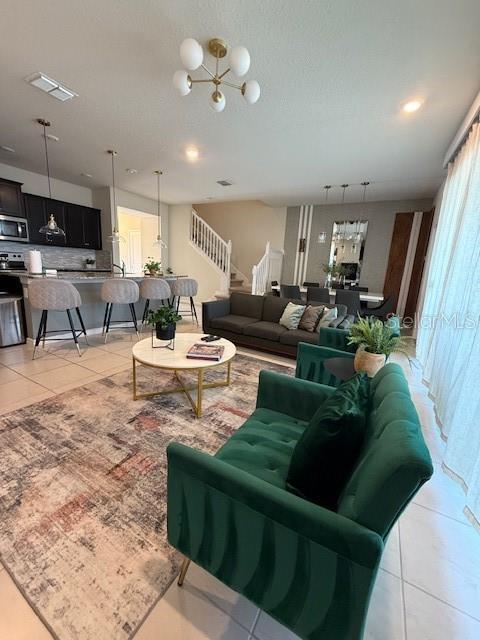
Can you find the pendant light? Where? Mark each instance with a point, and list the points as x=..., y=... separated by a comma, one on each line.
x=159, y=242
x=51, y=228
x=322, y=236
x=115, y=238
x=344, y=233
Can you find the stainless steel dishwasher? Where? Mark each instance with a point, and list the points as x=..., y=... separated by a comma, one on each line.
x=11, y=320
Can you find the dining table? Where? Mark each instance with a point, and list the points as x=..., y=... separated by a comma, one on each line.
x=365, y=296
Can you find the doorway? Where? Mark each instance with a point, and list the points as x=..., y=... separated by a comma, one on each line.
x=139, y=230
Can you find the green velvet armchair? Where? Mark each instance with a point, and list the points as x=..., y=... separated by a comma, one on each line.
x=310, y=568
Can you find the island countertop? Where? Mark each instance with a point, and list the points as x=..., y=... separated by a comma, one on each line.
x=84, y=277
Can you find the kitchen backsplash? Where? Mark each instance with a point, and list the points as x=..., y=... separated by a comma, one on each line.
x=60, y=257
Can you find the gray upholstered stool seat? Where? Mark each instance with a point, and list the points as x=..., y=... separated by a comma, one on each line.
x=154, y=289
x=55, y=295
x=119, y=291
x=185, y=288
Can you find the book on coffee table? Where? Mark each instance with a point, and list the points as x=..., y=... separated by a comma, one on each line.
x=206, y=352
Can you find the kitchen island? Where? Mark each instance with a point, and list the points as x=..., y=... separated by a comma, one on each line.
x=88, y=284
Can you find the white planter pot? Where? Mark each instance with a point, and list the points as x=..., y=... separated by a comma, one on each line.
x=91, y=266
x=371, y=363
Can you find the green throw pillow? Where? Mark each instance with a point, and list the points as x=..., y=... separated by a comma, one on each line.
x=324, y=457
x=292, y=315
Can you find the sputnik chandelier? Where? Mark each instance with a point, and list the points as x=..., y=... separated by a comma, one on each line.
x=191, y=54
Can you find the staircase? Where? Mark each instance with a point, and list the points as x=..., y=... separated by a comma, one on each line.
x=217, y=252
x=213, y=248
x=237, y=283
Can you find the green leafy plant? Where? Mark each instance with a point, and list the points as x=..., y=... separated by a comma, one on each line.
x=372, y=335
x=152, y=265
x=334, y=270
x=164, y=316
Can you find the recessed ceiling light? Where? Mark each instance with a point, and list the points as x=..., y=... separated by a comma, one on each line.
x=192, y=154
x=50, y=86
x=412, y=106
x=131, y=171
x=87, y=175
x=7, y=149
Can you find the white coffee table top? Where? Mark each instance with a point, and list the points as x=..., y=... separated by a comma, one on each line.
x=177, y=359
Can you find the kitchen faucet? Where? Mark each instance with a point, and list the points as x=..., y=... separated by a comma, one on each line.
x=122, y=268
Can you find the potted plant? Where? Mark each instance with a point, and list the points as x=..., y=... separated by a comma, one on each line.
x=90, y=263
x=165, y=320
x=328, y=270
x=376, y=341
x=169, y=270
x=152, y=266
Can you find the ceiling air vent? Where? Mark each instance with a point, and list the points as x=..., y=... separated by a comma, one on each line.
x=224, y=183
x=50, y=86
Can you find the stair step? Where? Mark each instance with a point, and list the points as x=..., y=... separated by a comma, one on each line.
x=241, y=289
x=237, y=282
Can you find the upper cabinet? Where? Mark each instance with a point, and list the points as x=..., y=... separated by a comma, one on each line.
x=81, y=224
x=11, y=198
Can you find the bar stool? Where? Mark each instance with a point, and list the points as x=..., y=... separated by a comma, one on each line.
x=154, y=289
x=119, y=291
x=55, y=295
x=185, y=288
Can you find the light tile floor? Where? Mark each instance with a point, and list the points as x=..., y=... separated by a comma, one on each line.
x=428, y=587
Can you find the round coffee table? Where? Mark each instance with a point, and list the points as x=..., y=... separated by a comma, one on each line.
x=176, y=361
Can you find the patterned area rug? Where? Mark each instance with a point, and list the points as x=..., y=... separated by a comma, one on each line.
x=83, y=495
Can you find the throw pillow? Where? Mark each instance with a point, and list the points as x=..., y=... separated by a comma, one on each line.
x=327, y=317
x=291, y=316
x=310, y=318
x=325, y=455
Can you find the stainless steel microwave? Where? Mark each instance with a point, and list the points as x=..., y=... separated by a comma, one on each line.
x=15, y=229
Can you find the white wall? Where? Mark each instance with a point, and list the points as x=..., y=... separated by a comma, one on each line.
x=37, y=184
x=249, y=224
x=184, y=259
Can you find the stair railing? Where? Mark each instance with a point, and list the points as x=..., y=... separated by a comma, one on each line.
x=268, y=269
x=214, y=248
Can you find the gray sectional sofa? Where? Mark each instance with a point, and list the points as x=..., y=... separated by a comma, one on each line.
x=253, y=321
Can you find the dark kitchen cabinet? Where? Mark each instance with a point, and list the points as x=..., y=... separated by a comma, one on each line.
x=11, y=198
x=36, y=215
x=81, y=224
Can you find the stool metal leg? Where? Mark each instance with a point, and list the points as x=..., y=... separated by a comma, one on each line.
x=105, y=318
x=194, y=311
x=81, y=323
x=134, y=317
x=44, y=335
x=74, y=333
x=145, y=311
x=109, y=316
x=39, y=332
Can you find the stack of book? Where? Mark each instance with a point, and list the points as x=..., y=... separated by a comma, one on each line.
x=212, y=352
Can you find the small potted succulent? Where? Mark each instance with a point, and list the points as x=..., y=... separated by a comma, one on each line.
x=90, y=263
x=376, y=341
x=169, y=271
x=152, y=266
x=165, y=321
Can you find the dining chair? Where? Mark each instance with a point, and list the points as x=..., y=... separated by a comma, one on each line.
x=318, y=294
x=290, y=291
x=351, y=299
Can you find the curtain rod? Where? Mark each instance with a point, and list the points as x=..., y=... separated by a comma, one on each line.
x=457, y=142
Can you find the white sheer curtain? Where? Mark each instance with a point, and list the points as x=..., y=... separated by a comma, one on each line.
x=448, y=338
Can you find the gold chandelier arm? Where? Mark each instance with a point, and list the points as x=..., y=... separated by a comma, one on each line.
x=230, y=84
x=224, y=73
x=212, y=75
x=206, y=80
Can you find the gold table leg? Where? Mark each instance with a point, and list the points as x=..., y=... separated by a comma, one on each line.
x=199, y=387
x=183, y=571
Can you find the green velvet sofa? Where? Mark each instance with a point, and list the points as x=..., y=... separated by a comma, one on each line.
x=310, y=568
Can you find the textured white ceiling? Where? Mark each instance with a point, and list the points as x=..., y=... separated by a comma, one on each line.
x=333, y=75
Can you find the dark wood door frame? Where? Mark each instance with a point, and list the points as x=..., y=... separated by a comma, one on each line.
x=398, y=254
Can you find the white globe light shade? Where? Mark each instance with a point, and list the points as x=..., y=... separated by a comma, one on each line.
x=217, y=101
x=181, y=82
x=251, y=91
x=191, y=54
x=239, y=61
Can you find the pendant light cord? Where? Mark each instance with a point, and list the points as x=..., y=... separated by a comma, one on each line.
x=158, y=203
x=46, y=160
x=115, y=218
